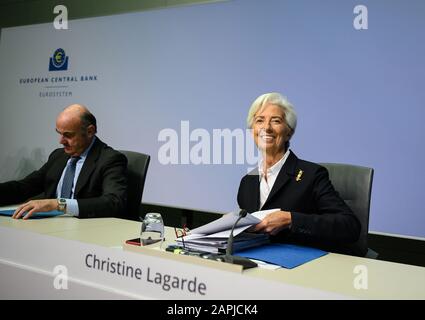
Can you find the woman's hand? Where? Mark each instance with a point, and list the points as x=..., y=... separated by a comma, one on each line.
x=274, y=222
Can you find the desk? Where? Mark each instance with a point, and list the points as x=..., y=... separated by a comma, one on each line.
x=329, y=277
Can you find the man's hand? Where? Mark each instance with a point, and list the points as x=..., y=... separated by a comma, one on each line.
x=274, y=222
x=34, y=206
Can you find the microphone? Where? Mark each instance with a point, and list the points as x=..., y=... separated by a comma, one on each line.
x=229, y=258
x=229, y=249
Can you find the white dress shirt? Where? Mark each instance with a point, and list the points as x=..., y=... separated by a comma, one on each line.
x=268, y=179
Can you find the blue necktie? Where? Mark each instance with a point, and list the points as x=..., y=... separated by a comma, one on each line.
x=68, y=179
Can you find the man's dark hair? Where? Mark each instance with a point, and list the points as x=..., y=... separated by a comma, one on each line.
x=87, y=119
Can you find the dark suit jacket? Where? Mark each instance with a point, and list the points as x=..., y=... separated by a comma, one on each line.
x=101, y=189
x=320, y=217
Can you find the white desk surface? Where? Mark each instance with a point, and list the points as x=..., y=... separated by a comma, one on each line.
x=333, y=272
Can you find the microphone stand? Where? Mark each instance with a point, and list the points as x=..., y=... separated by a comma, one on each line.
x=229, y=258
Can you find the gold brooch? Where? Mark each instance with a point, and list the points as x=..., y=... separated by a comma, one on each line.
x=300, y=173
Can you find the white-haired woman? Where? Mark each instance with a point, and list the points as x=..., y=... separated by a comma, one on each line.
x=311, y=211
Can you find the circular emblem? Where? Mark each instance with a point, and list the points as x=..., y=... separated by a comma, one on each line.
x=59, y=58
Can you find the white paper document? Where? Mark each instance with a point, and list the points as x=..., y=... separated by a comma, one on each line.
x=222, y=227
x=215, y=234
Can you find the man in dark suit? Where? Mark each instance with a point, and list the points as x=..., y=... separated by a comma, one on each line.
x=310, y=210
x=86, y=178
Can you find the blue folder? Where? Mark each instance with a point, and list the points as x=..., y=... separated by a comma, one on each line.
x=286, y=255
x=36, y=215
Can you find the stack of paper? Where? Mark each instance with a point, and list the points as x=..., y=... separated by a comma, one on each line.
x=213, y=236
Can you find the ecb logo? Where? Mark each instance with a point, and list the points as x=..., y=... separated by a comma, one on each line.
x=59, y=61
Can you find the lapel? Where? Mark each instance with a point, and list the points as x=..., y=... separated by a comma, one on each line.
x=253, y=181
x=56, y=171
x=89, y=165
x=285, y=175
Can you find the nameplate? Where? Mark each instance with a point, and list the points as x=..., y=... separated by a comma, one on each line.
x=139, y=275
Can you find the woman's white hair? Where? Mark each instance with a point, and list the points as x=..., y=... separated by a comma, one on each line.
x=275, y=99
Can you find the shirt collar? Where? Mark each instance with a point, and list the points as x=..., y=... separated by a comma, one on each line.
x=273, y=170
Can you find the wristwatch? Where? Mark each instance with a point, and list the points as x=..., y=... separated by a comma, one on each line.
x=62, y=204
